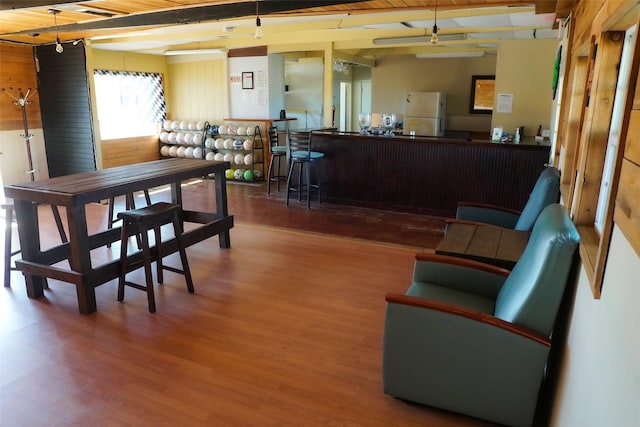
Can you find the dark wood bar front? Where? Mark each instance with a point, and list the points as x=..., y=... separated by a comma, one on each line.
x=423, y=174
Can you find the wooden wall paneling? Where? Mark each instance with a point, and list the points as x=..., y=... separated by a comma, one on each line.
x=127, y=151
x=627, y=207
x=584, y=14
x=18, y=72
x=632, y=148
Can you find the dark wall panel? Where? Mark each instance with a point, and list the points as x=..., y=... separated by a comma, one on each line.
x=66, y=110
x=425, y=175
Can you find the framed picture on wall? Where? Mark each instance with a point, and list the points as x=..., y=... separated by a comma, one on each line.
x=247, y=80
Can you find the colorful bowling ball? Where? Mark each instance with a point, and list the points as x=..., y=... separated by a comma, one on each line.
x=237, y=144
x=248, y=175
x=229, y=173
x=213, y=130
x=238, y=174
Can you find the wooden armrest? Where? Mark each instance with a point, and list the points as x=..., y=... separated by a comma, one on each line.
x=469, y=314
x=462, y=262
x=488, y=206
x=469, y=222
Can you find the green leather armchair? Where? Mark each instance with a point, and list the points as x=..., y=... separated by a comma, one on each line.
x=473, y=338
x=545, y=192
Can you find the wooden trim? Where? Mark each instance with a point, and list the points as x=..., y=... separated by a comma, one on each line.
x=247, y=51
x=469, y=314
x=461, y=262
x=488, y=206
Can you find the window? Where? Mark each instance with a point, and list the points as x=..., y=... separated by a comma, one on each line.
x=129, y=103
x=597, y=125
x=614, y=132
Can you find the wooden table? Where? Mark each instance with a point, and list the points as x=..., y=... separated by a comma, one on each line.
x=482, y=242
x=75, y=191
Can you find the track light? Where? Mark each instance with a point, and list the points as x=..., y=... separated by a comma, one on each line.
x=59, y=47
x=258, y=34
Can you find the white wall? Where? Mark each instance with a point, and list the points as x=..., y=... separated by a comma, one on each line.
x=13, y=161
x=599, y=383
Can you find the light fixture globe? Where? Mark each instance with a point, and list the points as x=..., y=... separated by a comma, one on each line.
x=258, y=33
x=59, y=47
x=434, y=34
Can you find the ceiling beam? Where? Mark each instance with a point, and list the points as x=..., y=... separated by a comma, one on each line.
x=188, y=15
x=27, y=4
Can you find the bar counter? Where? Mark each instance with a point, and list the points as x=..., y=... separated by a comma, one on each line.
x=426, y=174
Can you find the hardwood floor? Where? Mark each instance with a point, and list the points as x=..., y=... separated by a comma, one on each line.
x=284, y=329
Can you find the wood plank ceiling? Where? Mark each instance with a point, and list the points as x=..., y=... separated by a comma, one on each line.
x=31, y=21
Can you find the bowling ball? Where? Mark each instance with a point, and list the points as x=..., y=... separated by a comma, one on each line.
x=248, y=175
x=229, y=173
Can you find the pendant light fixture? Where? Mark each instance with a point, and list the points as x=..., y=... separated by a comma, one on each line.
x=434, y=32
x=59, y=47
x=258, y=33
x=34, y=48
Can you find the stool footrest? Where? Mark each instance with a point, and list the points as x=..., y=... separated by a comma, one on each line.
x=136, y=285
x=174, y=269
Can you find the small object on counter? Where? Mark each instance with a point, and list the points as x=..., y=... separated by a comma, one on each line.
x=516, y=137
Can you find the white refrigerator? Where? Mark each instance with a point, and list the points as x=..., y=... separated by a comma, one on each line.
x=424, y=113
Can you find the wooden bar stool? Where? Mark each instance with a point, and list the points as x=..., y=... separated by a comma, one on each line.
x=278, y=152
x=139, y=221
x=130, y=203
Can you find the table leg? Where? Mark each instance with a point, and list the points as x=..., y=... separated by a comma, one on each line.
x=222, y=209
x=80, y=256
x=28, y=231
